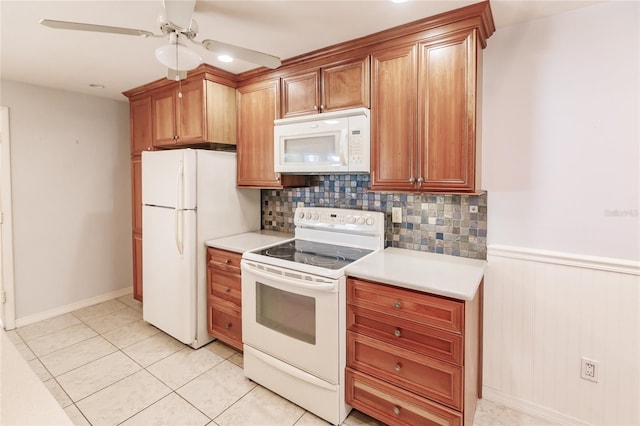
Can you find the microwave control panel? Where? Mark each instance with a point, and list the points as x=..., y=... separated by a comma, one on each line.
x=359, y=144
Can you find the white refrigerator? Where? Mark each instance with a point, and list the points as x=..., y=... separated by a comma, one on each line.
x=189, y=196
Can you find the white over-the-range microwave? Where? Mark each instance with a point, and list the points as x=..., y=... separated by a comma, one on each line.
x=330, y=142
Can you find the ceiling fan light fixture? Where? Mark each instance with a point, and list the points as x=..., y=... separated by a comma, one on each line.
x=225, y=58
x=177, y=57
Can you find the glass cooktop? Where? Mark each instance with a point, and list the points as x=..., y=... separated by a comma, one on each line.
x=314, y=253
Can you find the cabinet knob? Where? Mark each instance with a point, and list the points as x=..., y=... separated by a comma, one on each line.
x=397, y=367
x=227, y=261
x=227, y=290
x=396, y=410
x=321, y=107
x=412, y=179
x=315, y=107
x=397, y=304
x=148, y=148
x=396, y=332
x=228, y=326
x=420, y=180
x=278, y=177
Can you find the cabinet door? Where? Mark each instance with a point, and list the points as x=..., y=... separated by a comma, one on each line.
x=257, y=108
x=137, y=266
x=447, y=113
x=190, y=101
x=164, y=117
x=393, y=118
x=301, y=93
x=141, y=131
x=345, y=85
x=136, y=193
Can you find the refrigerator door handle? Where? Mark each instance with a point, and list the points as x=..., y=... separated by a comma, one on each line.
x=179, y=243
x=179, y=187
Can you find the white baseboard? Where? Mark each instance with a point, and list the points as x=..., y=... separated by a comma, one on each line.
x=21, y=322
x=529, y=408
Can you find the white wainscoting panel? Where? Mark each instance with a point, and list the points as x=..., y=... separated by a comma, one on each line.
x=543, y=311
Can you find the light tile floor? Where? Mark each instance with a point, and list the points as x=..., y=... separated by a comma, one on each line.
x=106, y=366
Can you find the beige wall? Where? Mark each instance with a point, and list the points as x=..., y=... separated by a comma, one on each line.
x=71, y=197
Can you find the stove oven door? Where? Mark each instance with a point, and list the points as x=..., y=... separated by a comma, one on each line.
x=293, y=317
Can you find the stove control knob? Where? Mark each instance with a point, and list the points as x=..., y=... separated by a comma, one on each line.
x=307, y=215
x=301, y=214
x=316, y=216
x=351, y=219
x=370, y=221
x=360, y=220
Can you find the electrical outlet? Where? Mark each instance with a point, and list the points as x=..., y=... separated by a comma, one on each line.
x=589, y=369
x=396, y=214
x=473, y=209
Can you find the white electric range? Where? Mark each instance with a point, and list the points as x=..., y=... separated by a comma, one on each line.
x=294, y=306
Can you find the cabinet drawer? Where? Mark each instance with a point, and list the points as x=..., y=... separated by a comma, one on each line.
x=430, y=310
x=225, y=285
x=406, y=334
x=436, y=380
x=394, y=406
x=225, y=322
x=223, y=259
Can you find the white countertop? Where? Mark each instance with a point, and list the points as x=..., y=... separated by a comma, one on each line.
x=240, y=243
x=440, y=274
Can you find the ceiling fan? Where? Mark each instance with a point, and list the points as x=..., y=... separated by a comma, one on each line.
x=177, y=24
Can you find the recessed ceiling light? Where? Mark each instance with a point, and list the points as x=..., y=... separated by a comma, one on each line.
x=96, y=86
x=225, y=58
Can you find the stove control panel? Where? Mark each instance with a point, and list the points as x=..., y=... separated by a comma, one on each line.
x=348, y=219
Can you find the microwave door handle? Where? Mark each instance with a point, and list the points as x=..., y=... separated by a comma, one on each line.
x=345, y=149
x=288, y=281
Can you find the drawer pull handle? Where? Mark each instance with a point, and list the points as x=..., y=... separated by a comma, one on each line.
x=397, y=332
x=396, y=410
x=227, y=290
x=397, y=367
x=227, y=261
x=228, y=326
x=397, y=304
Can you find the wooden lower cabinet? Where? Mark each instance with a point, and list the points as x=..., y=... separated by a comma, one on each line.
x=393, y=405
x=224, y=301
x=137, y=266
x=412, y=357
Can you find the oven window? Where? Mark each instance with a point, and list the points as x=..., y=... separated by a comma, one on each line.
x=288, y=313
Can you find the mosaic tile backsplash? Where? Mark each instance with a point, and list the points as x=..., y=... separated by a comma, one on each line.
x=432, y=223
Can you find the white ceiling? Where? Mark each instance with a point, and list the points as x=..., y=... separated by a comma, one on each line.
x=72, y=60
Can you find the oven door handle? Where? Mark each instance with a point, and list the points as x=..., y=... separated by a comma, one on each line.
x=288, y=280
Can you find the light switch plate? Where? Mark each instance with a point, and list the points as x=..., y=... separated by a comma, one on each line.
x=396, y=214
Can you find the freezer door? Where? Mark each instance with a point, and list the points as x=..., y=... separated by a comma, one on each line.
x=169, y=271
x=169, y=178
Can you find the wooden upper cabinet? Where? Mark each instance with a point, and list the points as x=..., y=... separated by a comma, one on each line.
x=339, y=85
x=424, y=111
x=346, y=85
x=194, y=112
x=258, y=105
x=301, y=93
x=447, y=103
x=393, y=118
x=141, y=127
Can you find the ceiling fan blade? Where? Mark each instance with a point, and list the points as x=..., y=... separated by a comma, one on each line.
x=242, y=53
x=179, y=12
x=79, y=26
